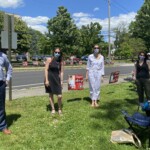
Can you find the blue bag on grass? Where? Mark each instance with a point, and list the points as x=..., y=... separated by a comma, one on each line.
x=146, y=106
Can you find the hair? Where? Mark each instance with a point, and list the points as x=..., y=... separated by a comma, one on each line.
x=144, y=55
x=98, y=47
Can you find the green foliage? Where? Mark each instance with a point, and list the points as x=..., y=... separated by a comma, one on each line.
x=1, y=20
x=121, y=34
x=126, y=45
x=89, y=36
x=24, y=37
x=38, y=42
x=131, y=47
x=80, y=128
x=140, y=27
x=63, y=32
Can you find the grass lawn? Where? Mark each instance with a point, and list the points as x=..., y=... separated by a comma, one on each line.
x=80, y=128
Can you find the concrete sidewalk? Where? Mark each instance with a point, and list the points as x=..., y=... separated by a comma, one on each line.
x=39, y=91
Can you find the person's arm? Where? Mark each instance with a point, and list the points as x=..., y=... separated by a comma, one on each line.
x=8, y=69
x=87, y=69
x=135, y=71
x=48, y=61
x=62, y=73
x=103, y=72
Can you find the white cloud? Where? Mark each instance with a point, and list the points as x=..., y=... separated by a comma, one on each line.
x=96, y=9
x=36, y=20
x=114, y=21
x=81, y=14
x=43, y=29
x=11, y=3
x=38, y=23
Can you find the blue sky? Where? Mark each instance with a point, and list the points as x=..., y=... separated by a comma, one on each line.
x=37, y=12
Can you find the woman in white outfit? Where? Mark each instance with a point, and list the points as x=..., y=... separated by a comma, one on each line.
x=95, y=73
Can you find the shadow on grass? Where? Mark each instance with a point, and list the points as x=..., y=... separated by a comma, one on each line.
x=12, y=118
x=132, y=101
x=112, y=117
x=145, y=139
x=74, y=99
x=49, y=108
x=88, y=99
x=110, y=92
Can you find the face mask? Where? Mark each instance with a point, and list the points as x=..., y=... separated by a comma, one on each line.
x=96, y=51
x=57, y=55
x=141, y=57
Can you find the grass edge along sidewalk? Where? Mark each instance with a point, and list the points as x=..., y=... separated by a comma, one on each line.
x=80, y=128
x=38, y=91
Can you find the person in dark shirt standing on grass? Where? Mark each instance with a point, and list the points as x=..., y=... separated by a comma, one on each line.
x=142, y=77
x=4, y=80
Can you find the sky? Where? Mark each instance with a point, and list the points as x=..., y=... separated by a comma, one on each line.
x=36, y=13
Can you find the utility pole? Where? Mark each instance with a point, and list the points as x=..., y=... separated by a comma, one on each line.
x=9, y=41
x=9, y=52
x=109, y=46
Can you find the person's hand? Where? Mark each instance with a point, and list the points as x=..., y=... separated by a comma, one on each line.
x=134, y=78
x=7, y=82
x=61, y=84
x=47, y=83
x=86, y=78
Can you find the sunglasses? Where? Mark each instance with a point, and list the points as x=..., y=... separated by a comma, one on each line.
x=57, y=52
x=96, y=47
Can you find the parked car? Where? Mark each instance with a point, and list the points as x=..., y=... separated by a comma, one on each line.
x=36, y=58
x=84, y=58
x=21, y=57
x=46, y=56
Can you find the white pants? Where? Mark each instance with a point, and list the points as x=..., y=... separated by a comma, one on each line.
x=94, y=84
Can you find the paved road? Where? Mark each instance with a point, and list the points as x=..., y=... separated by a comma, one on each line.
x=26, y=79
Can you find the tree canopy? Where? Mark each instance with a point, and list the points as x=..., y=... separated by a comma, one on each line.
x=140, y=27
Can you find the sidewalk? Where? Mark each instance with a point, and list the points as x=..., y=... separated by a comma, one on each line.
x=39, y=91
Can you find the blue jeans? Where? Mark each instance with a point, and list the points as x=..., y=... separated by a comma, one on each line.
x=3, y=124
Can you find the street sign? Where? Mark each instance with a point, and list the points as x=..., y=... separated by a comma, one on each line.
x=14, y=40
x=8, y=33
x=5, y=22
x=4, y=39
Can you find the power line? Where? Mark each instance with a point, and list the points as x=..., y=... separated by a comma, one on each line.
x=120, y=6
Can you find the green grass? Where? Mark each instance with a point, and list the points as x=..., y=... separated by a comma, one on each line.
x=80, y=128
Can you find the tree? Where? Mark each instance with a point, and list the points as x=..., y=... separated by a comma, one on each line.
x=1, y=20
x=140, y=27
x=89, y=36
x=63, y=32
x=131, y=47
x=38, y=42
x=121, y=32
x=24, y=38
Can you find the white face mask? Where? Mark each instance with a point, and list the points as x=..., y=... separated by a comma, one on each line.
x=96, y=51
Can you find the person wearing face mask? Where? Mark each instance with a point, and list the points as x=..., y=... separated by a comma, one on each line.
x=54, y=79
x=95, y=73
x=142, y=77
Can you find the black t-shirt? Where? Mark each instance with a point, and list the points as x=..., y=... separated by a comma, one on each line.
x=142, y=71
